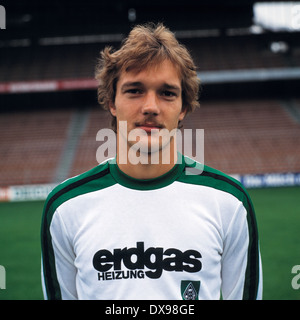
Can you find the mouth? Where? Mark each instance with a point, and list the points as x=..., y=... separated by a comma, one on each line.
x=149, y=126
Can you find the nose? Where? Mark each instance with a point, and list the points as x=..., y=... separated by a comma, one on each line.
x=150, y=104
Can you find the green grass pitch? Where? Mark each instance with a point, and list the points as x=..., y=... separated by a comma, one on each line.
x=278, y=217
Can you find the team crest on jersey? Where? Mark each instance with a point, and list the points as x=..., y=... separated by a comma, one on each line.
x=190, y=290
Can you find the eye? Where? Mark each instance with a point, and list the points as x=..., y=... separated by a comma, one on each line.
x=169, y=94
x=134, y=91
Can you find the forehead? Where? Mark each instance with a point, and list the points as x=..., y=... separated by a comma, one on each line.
x=164, y=72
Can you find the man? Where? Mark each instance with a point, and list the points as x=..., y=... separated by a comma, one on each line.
x=149, y=230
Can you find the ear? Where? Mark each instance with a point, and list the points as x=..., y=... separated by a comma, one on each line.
x=112, y=108
x=182, y=114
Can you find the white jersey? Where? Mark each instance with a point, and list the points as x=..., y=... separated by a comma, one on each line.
x=184, y=235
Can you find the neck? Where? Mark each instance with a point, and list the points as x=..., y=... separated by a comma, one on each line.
x=149, y=166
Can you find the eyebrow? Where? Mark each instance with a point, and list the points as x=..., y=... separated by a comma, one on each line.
x=130, y=84
x=171, y=87
x=167, y=86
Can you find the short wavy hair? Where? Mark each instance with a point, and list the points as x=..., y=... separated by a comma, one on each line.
x=146, y=45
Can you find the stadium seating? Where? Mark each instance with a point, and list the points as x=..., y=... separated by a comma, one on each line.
x=76, y=61
x=241, y=137
x=31, y=145
x=244, y=137
x=248, y=137
x=86, y=152
x=233, y=54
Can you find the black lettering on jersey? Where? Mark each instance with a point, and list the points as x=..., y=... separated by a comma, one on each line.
x=156, y=260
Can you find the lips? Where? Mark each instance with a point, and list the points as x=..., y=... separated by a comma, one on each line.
x=148, y=126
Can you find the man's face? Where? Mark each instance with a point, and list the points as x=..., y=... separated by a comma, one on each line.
x=150, y=100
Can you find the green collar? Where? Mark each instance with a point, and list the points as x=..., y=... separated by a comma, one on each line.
x=147, y=184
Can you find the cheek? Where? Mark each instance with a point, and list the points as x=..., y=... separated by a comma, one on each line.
x=125, y=111
x=172, y=123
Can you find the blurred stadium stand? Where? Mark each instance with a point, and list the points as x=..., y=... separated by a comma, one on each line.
x=49, y=117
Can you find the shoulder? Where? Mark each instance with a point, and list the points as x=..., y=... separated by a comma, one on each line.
x=200, y=174
x=94, y=179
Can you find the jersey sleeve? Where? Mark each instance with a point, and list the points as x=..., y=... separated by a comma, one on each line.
x=58, y=270
x=239, y=257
